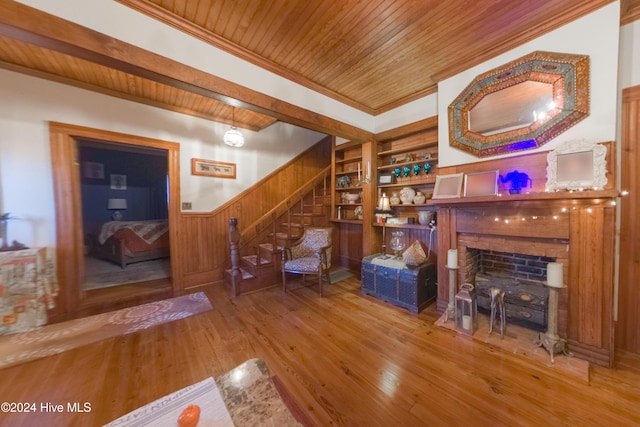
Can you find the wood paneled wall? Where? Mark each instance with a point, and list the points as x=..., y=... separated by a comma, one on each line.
x=591, y=278
x=628, y=326
x=204, y=238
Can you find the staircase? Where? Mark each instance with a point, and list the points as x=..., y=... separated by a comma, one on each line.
x=255, y=263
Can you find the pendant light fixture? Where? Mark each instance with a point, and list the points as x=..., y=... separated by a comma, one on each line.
x=233, y=137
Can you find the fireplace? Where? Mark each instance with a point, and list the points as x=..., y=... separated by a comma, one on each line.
x=520, y=276
x=516, y=264
x=577, y=228
x=574, y=229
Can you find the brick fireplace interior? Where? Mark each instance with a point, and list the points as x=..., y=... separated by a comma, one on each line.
x=522, y=277
x=518, y=265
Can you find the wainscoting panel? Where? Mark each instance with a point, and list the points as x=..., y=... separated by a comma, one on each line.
x=205, y=235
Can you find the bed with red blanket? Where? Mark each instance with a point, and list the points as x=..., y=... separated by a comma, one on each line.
x=126, y=242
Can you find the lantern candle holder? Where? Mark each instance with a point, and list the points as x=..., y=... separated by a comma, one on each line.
x=466, y=309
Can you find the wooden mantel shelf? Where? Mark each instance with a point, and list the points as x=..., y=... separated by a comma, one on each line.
x=558, y=196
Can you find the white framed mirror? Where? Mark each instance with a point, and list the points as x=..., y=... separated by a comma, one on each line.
x=577, y=165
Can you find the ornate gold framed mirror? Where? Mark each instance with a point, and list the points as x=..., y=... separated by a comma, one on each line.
x=521, y=105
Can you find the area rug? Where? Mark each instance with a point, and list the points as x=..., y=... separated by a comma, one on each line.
x=104, y=274
x=338, y=275
x=59, y=337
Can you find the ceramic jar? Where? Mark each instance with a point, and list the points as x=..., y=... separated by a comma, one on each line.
x=358, y=212
x=425, y=217
x=394, y=199
x=419, y=198
x=406, y=195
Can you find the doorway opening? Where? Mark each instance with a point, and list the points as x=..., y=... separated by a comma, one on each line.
x=125, y=195
x=88, y=190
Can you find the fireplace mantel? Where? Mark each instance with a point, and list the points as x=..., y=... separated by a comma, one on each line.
x=543, y=199
x=582, y=225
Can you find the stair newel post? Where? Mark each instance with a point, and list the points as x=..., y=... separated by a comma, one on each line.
x=234, y=241
x=275, y=237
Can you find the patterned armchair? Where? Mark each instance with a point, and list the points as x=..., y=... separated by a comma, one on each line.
x=309, y=255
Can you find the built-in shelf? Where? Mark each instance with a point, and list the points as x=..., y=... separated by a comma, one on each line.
x=412, y=162
x=424, y=180
x=349, y=160
x=407, y=149
x=348, y=204
x=348, y=188
x=410, y=205
x=417, y=226
x=347, y=221
x=405, y=185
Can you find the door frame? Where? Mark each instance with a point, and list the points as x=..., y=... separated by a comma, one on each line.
x=628, y=298
x=68, y=208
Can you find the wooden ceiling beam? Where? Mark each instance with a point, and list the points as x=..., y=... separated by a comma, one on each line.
x=629, y=11
x=33, y=26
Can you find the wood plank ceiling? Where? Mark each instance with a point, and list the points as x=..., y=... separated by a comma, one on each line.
x=374, y=55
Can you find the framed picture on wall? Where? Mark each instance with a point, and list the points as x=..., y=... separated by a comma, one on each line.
x=213, y=168
x=448, y=186
x=118, y=182
x=386, y=178
x=481, y=184
x=93, y=170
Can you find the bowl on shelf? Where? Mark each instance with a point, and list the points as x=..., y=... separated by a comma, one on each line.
x=351, y=198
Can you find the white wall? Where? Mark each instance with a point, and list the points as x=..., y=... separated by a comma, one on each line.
x=595, y=35
x=409, y=113
x=29, y=103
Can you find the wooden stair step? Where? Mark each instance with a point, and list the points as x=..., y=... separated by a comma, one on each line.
x=269, y=247
x=253, y=260
x=245, y=274
x=285, y=236
x=291, y=224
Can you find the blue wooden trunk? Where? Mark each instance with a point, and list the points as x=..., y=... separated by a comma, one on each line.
x=410, y=288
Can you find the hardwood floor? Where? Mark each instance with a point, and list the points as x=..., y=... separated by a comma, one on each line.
x=348, y=360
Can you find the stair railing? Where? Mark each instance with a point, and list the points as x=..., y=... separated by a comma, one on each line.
x=269, y=219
